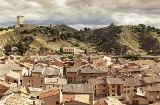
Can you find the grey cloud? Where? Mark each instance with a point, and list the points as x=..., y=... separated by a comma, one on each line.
x=81, y=12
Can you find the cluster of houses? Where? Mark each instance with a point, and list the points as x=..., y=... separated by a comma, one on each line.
x=83, y=80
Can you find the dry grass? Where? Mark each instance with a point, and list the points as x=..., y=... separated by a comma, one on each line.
x=5, y=31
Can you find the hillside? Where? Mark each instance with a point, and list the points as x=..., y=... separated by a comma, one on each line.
x=119, y=40
x=42, y=39
x=116, y=40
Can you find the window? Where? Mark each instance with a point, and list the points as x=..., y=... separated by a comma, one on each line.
x=113, y=94
x=103, y=85
x=113, y=86
x=95, y=86
x=57, y=103
x=29, y=81
x=49, y=87
x=119, y=94
x=103, y=90
x=128, y=91
x=113, y=90
x=135, y=90
x=57, y=85
x=150, y=102
x=41, y=80
x=124, y=91
x=53, y=85
x=32, y=96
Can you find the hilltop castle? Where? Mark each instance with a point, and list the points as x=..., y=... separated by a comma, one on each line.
x=20, y=20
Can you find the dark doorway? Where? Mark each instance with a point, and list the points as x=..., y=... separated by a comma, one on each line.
x=21, y=82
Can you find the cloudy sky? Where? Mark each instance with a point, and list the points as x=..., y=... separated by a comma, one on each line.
x=81, y=13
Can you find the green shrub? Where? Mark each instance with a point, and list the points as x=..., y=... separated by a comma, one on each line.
x=22, y=47
x=132, y=56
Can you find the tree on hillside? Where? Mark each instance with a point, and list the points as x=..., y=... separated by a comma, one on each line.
x=112, y=24
x=79, y=37
x=22, y=47
x=61, y=50
x=85, y=29
x=69, y=35
x=132, y=56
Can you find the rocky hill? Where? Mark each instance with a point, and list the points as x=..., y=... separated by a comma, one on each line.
x=116, y=40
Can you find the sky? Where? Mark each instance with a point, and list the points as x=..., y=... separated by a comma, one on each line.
x=81, y=13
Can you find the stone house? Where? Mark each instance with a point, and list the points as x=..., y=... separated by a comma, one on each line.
x=115, y=87
x=51, y=97
x=100, y=86
x=75, y=92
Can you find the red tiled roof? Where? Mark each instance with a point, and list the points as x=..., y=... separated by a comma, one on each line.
x=116, y=65
x=48, y=94
x=132, y=82
x=29, y=61
x=115, y=80
x=69, y=48
x=99, y=80
x=155, y=87
x=132, y=64
x=152, y=79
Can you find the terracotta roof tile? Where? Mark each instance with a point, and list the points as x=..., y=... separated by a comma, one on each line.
x=99, y=80
x=115, y=80
x=155, y=79
x=48, y=94
x=155, y=87
x=78, y=88
x=132, y=82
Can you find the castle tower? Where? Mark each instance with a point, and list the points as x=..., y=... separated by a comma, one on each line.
x=20, y=20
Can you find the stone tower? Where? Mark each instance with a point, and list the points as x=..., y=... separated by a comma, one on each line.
x=20, y=20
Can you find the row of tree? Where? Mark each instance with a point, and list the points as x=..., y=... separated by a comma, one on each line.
x=145, y=29
x=132, y=56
